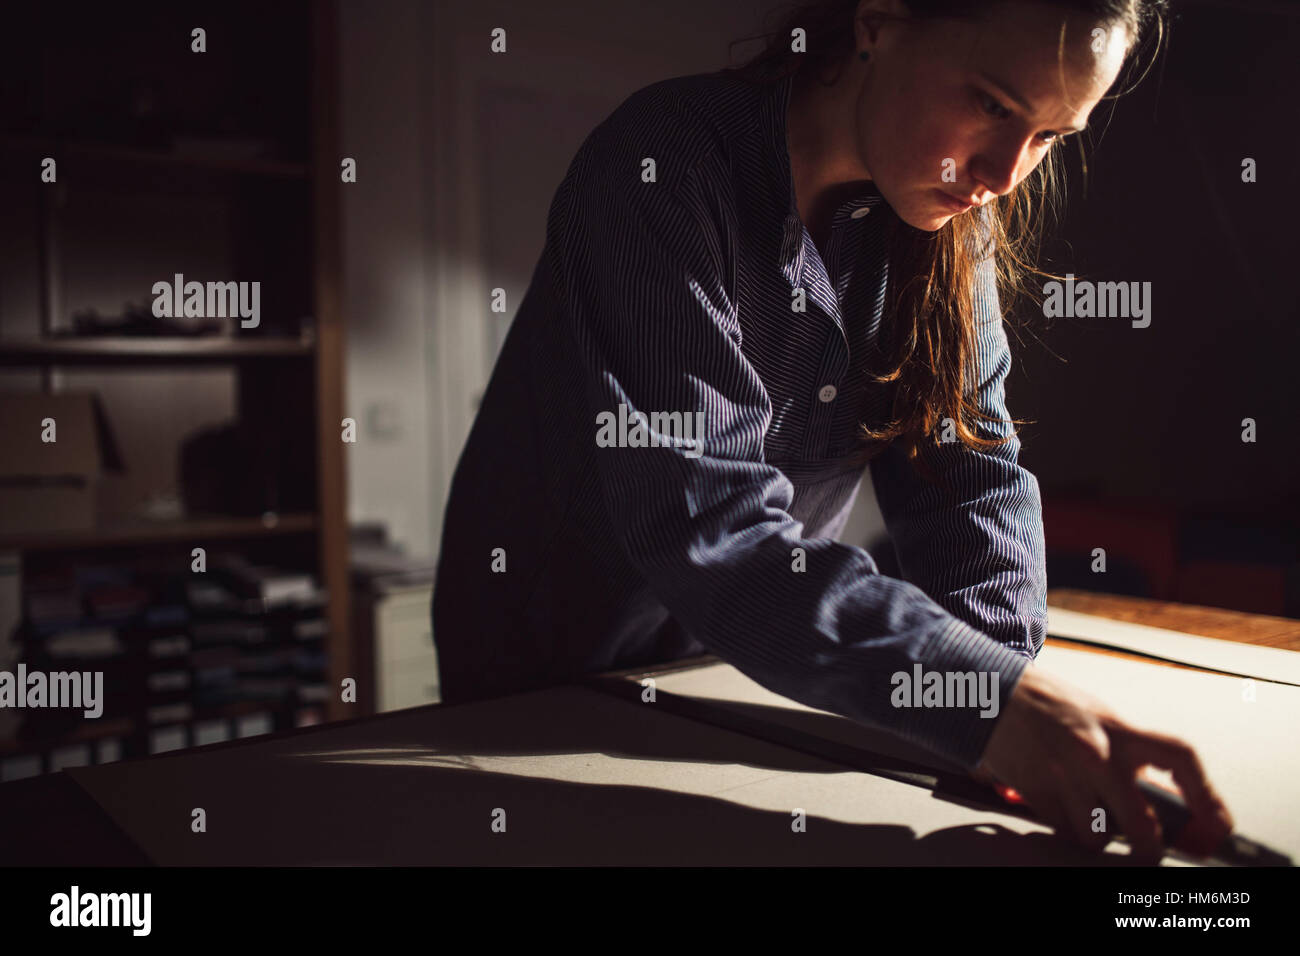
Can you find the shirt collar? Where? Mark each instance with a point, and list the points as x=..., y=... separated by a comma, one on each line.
x=794, y=254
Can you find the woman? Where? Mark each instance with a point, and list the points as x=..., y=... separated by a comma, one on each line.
x=755, y=284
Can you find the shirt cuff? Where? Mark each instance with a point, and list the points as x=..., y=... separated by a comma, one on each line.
x=960, y=734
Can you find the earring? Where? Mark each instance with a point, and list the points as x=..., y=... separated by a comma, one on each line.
x=864, y=55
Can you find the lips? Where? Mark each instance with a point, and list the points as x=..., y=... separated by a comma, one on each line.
x=955, y=203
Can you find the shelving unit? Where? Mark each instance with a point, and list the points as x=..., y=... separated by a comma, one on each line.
x=141, y=533
x=283, y=221
x=114, y=350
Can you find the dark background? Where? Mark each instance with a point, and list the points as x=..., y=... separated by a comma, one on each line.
x=1137, y=441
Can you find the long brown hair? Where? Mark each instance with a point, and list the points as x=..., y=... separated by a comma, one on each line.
x=930, y=299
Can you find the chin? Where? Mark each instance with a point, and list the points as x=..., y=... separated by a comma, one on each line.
x=923, y=211
x=926, y=220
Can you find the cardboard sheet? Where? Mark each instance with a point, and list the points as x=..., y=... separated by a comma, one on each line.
x=1245, y=660
x=1249, y=748
x=583, y=778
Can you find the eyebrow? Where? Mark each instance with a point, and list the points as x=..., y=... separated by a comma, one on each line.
x=1019, y=100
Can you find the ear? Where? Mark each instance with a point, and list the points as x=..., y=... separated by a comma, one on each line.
x=869, y=19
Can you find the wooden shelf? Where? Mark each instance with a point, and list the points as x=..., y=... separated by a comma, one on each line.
x=154, y=532
x=127, y=155
x=278, y=218
x=133, y=349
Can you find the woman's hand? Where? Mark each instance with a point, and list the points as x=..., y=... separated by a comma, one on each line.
x=1066, y=753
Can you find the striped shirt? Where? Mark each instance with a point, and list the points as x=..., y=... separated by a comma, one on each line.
x=669, y=288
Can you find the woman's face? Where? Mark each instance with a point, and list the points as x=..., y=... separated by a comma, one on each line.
x=956, y=112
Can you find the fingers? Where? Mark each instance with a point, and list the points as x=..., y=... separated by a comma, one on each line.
x=1136, y=818
x=1072, y=811
x=1068, y=755
x=1210, y=815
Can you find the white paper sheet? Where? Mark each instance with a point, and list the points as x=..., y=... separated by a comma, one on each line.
x=1248, y=660
x=1250, y=748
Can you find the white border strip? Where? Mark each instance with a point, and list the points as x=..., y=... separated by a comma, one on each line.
x=1248, y=660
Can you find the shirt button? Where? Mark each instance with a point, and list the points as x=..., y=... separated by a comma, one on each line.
x=859, y=213
x=827, y=393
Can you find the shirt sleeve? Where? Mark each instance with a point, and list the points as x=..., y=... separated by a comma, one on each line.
x=646, y=276
x=974, y=542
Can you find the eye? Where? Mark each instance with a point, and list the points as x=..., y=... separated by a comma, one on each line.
x=996, y=109
x=992, y=106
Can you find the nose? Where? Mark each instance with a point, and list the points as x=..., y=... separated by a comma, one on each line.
x=997, y=170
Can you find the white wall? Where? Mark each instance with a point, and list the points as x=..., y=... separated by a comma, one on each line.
x=386, y=281
x=459, y=153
